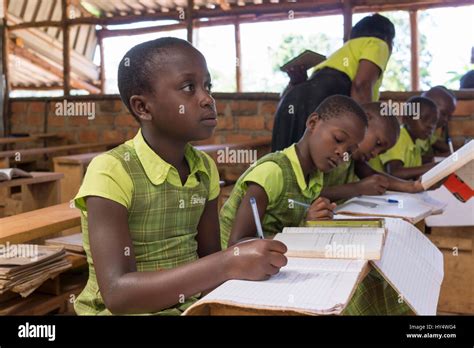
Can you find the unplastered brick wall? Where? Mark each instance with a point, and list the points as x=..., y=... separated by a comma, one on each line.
x=241, y=117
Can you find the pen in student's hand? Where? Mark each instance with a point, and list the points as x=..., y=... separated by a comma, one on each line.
x=299, y=203
x=450, y=143
x=253, y=203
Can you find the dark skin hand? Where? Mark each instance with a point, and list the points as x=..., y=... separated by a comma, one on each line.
x=364, y=81
x=397, y=169
x=125, y=290
x=183, y=86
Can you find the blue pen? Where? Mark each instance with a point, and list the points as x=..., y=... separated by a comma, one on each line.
x=253, y=203
x=388, y=200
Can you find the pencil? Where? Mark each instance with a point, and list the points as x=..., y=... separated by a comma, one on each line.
x=253, y=203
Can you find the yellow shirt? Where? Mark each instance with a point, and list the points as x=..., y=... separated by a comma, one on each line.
x=405, y=150
x=111, y=181
x=346, y=59
x=426, y=144
x=270, y=176
x=376, y=164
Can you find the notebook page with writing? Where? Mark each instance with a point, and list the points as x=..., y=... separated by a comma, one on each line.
x=345, y=243
x=413, y=265
x=449, y=165
x=408, y=208
x=436, y=206
x=315, y=286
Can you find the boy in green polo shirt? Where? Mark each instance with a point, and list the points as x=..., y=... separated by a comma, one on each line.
x=343, y=182
x=404, y=159
x=149, y=207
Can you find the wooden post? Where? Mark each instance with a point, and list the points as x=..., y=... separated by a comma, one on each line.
x=238, y=56
x=102, y=62
x=4, y=80
x=415, y=69
x=347, y=14
x=66, y=48
x=189, y=20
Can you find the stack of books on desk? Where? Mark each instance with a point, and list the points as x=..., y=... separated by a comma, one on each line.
x=25, y=267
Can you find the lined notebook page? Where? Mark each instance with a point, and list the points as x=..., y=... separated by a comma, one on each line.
x=449, y=165
x=413, y=265
x=319, y=286
x=410, y=208
x=347, y=243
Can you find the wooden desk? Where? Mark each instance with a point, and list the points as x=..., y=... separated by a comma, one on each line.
x=39, y=191
x=453, y=233
x=39, y=223
x=20, y=155
x=74, y=168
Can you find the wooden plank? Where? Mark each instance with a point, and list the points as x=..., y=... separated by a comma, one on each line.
x=31, y=138
x=414, y=39
x=81, y=159
x=189, y=20
x=238, y=56
x=38, y=223
x=66, y=48
x=38, y=177
x=55, y=149
x=347, y=17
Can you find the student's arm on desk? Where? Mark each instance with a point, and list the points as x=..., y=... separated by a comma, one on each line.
x=396, y=168
x=126, y=290
x=371, y=185
x=364, y=170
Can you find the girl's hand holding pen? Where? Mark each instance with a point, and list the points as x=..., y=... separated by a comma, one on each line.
x=320, y=209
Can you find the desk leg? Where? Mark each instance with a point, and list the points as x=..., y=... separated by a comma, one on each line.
x=70, y=184
x=4, y=162
x=40, y=195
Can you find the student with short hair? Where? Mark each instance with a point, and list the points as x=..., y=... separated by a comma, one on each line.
x=295, y=174
x=149, y=206
x=355, y=176
x=404, y=160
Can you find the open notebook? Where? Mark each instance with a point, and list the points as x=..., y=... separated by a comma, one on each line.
x=410, y=263
x=410, y=207
x=355, y=240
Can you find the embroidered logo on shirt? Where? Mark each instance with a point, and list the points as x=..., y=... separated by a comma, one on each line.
x=195, y=199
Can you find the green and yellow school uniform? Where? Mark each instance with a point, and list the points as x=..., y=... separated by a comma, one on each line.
x=346, y=59
x=281, y=176
x=426, y=144
x=376, y=164
x=405, y=150
x=163, y=214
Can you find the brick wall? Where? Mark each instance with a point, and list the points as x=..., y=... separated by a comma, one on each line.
x=242, y=116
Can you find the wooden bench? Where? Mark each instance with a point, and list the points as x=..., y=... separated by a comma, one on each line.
x=39, y=191
x=20, y=155
x=30, y=138
x=74, y=168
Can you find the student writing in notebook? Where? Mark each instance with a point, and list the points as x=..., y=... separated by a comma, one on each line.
x=355, y=176
x=404, y=159
x=149, y=207
x=280, y=178
x=296, y=174
x=438, y=142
